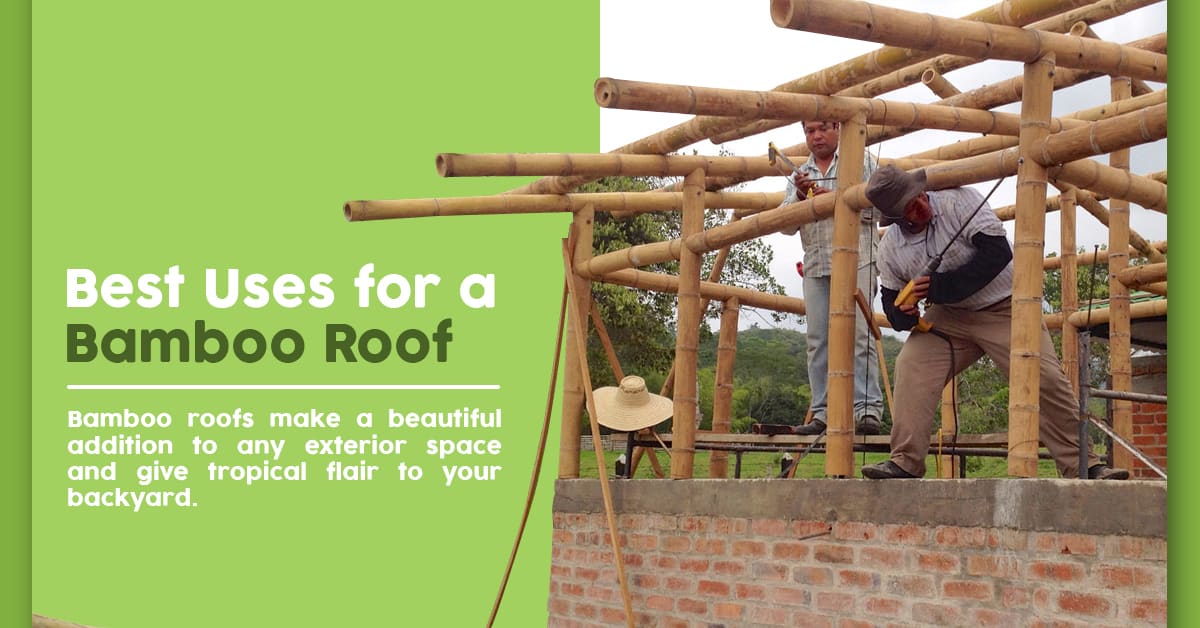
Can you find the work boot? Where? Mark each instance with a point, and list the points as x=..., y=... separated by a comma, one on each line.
x=812, y=428
x=1104, y=472
x=886, y=470
x=868, y=425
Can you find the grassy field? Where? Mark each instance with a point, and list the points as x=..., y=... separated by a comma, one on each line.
x=767, y=465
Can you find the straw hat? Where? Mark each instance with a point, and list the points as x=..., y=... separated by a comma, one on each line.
x=630, y=407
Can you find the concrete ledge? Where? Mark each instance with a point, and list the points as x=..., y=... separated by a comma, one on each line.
x=1136, y=508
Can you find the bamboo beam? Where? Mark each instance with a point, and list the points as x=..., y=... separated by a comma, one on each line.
x=687, y=337
x=943, y=64
x=614, y=93
x=1116, y=183
x=1101, y=257
x=1135, y=277
x=597, y=165
x=718, y=465
x=1104, y=315
x=1141, y=245
x=897, y=27
x=1025, y=355
x=626, y=203
x=839, y=416
x=575, y=387
x=1116, y=133
x=1119, y=328
x=938, y=84
x=1069, y=283
x=1159, y=288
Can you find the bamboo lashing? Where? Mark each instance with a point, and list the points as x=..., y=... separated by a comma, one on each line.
x=897, y=27
x=1025, y=354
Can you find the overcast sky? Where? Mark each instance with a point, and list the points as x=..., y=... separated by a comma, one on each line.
x=734, y=44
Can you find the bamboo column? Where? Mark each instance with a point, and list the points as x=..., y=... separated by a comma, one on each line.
x=949, y=463
x=1120, y=368
x=573, y=383
x=1070, y=287
x=1029, y=248
x=687, y=333
x=718, y=466
x=839, y=416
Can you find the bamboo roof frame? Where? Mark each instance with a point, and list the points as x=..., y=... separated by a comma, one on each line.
x=1059, y=151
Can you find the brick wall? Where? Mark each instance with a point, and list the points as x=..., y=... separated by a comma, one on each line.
x=1150, y=419
x=850, y=553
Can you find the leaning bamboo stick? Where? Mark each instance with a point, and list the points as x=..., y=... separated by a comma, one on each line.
x=1025, y=355
x=1137, y=276
x=718, y=466
x=1069, y=287
x=574, y=383
x=1119, y=328
x=897, y=27
x=687, y=338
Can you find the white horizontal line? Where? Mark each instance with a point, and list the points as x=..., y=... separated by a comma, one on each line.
x=283, y=387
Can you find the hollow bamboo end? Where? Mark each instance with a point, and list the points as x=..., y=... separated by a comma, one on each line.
x=781, y=12
x=928, y=76
x=444, y=162
x=349, y=211
x=605, y=91
x=1078, y=29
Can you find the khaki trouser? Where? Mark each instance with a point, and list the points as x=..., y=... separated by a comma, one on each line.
x=923, y=369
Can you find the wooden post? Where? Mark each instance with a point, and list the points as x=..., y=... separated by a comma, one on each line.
x=949, y=465
x=1070, y=287
x=573, y=382
x=1118, y=299
x=687, y=338
x=839, y=414
x=723, y=386
x=1029, y=248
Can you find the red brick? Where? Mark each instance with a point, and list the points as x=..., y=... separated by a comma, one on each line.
x=750, y=591
x=839, y=554
x=906, y=534
x=854, y=531
x=966, y=589
x=712, y=587
x=679, y=585
x=572, y=589
x=586, y=573
x=559, y=571
x=1084, y=604
x=911, y=586
x=660, y=602
x=645, y=581
x=858, y=579
x=728, y=610
x=662, y=522
x=676, y=544
x=941, y=615
x=633, y=560
x=729, y=526
x=1005, y=567
x=940, y=562
x=728, y=567
x=694, y=565
x=853, y=623
x=810, y=619
x=835, y=602
x=987, y=618
x=884, y=606
x=1141, y=548
x=665, y=562
x=613, y=615
x=587, y=611
x=643, y=542
x=712, y=547
x=769, y=527
x=1119, y=577
x=789, y=595
x=877, y=557
x=961, y=537
x=1059, y=572
x=1077, y=544
x=694, y=524
x=694, y=607
x=770, y=571
x=559, y=606
x=789, y=550
x=768, y=615
x=809, y=529
x=749, y=548
x=601, y=593
x=813, y=576
x=1149, y=610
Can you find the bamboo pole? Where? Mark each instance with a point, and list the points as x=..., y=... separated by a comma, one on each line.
x=1119, y=336
x=574, y=384
x=1116, y=183
x=839, y=416
x=1101, y=257
x=948, y=467
x=1069, y=282
x=943, y=64
x=1104, y=315
x=897, y=27
x=578, y=319
x=598, y=165
x=829, y=80
x=687, y=336
x=1028, y=250
x=1159, y=288
x=1141, y=246
x=1119, y=132
x=718, y=466
x=938, y=84
x=614, y=93
x=1137, y=276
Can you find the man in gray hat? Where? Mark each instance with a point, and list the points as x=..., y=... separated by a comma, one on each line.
x=969, y=305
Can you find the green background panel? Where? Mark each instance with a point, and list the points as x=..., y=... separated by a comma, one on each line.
x=225, y=136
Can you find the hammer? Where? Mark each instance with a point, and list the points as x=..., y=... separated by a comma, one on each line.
x=773, y=153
